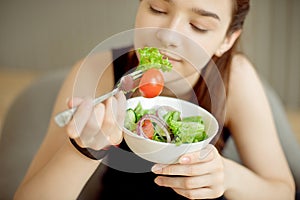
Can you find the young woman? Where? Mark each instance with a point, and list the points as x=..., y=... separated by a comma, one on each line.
x=60, y=171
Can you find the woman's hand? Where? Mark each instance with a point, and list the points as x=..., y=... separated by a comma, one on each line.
x=199, y=175
x=100, y=125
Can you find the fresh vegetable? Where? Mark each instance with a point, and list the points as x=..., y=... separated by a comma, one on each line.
x=147, y=128
x=152, y=63
x=150, y=58
x=140, y=112
x=151, y=83
x=165, y=124
x=130, y=119
x=158, y=127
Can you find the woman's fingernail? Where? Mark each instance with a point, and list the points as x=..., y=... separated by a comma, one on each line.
x=156, y=168
x=157, y=181
x=184, y=160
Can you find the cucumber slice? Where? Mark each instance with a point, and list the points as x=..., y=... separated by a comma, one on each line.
x=130, y=119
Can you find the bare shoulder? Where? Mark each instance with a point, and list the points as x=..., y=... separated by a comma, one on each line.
x=245, y=91
x=89, y=77
x=249, y=115
x=251, y=124
x=243, y=77
x=85, y=77
x=82, y=80
x=241, y=68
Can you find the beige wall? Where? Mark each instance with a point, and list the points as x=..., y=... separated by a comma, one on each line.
x=44, y=34
x=272, y=41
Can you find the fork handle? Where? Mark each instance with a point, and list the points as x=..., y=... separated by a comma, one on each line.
x=105, y=96
x=64, y=117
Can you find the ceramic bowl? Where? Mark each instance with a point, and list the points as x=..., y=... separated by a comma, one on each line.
x=168, y=153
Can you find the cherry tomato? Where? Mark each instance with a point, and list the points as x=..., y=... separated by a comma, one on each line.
x=152, y=83
x=148, y=128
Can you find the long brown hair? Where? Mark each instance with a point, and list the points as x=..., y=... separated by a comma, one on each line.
x=223, y=63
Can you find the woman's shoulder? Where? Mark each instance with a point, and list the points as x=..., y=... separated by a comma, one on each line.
x=81, y=81
x=240, y=64
x=244, y=87
x=242, y=73
x=94, y=61
x=96, y=70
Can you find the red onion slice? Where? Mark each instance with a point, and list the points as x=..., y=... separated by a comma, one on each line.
x=159, y=122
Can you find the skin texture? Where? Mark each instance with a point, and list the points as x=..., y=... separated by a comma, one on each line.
x=206, y=176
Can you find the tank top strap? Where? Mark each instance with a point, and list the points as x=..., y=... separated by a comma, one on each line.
x=120, y=61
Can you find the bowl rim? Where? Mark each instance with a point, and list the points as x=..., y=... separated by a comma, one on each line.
x=172, y=144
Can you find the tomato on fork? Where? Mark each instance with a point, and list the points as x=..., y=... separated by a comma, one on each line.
x=152, y=83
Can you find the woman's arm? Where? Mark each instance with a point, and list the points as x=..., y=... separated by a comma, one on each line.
x=266, y=174
x=62, y=177
x=58, y=170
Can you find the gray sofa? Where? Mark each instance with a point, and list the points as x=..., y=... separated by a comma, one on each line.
x=26, y=124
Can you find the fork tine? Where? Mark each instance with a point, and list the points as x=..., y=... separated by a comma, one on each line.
x=137, y=74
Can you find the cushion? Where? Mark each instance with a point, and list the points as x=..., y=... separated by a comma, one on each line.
x=24, y=128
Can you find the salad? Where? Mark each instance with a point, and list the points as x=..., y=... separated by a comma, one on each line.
x=165, y=124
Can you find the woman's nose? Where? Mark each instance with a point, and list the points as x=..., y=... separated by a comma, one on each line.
x=168, y=37
x=169, y=34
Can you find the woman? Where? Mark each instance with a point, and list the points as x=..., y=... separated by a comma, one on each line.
x=59, y=171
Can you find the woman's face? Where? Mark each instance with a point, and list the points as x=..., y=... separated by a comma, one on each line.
x=187, y=31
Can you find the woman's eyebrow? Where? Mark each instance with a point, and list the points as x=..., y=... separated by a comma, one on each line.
x=206, y=13
x=200, y=12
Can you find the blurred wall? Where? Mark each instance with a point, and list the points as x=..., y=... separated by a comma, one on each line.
x=272, y=41
x=44, y=34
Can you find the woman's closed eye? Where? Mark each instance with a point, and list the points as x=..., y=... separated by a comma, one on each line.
x=198, y=29
x=156, y=10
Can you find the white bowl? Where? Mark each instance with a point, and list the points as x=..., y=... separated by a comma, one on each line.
x=167, y=153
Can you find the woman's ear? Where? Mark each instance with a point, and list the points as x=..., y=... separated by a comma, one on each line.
x=228, y=42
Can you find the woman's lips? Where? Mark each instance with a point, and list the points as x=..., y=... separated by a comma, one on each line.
x=171, y=57
x=171, y=60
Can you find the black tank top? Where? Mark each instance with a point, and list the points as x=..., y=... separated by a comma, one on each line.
x=122, y=174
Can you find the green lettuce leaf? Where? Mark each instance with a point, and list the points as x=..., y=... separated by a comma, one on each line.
x=193, y=119
x=188, y=130
x=140, y=111
x=150, y=57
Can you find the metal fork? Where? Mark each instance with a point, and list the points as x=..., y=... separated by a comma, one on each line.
x=64, y=117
